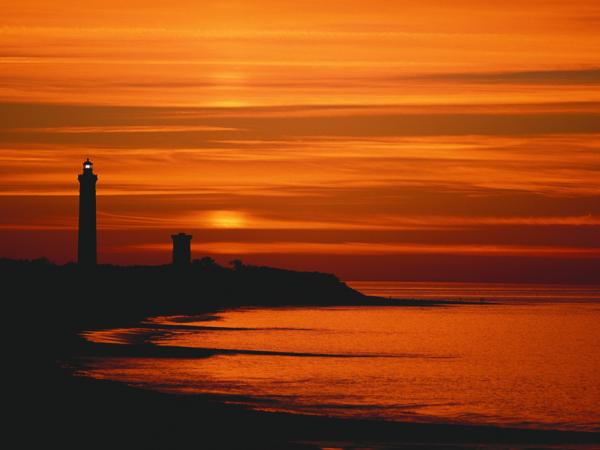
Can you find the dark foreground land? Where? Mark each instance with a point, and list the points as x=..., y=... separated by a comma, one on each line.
x=55, y=409
x=108, y=415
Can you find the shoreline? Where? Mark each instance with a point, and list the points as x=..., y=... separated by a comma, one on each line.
x=73, y=412
x=295, y=431
x=154, y=419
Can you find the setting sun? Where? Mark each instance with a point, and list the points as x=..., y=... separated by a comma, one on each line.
x=226, y=219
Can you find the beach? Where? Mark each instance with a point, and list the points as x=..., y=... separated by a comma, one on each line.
x=103, y=414
x=136, y=375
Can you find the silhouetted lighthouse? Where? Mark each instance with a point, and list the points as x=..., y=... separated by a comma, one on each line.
x=86, y=243
x=182, y=254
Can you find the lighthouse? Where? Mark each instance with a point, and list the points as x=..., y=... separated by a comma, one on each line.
x=182, y=254
x=86, y=243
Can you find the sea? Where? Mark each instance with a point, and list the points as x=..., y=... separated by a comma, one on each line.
x=511, y=355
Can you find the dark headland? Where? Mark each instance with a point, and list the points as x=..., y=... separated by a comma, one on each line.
x=49, y=305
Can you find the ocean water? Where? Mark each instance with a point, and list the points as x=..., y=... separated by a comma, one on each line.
x=529, y=359
x=490, y=292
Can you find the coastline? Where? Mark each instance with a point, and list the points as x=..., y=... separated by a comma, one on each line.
x=107, y=414
x=189, y=418
x=68, y=411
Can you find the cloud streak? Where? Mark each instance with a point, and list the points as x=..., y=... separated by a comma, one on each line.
x=529, y=77
x=369, y=248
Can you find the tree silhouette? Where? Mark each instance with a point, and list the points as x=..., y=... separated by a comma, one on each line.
x=206, y=263
x=237, y=265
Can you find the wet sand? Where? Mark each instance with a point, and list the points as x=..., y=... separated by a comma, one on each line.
x=76, y=412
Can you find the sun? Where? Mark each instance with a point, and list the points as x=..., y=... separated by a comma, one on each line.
x=226, y=219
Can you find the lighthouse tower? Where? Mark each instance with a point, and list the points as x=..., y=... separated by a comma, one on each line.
x=182, y=254
x=86, y=243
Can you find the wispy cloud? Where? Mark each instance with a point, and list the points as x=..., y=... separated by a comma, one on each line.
x=369, y=248
x=122, y=129
x=590, y=76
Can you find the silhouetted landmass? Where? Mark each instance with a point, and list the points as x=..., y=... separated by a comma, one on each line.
x=107, y=295
x=58, y=410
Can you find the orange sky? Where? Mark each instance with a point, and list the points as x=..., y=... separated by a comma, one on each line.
x=386, y=140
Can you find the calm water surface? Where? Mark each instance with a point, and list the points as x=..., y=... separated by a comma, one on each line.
x=531, y=361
